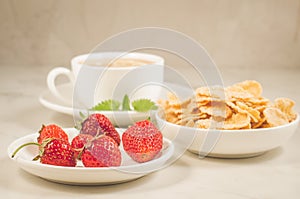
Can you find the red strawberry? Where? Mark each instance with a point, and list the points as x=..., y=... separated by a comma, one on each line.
x=58, y=152
x=97, y=124
x=78, y=143
x=51, y=131
x=101, y=152
x=142, y=141
x=53, y=151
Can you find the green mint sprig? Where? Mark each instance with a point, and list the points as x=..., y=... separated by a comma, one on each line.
x=107, y=105
x=126, y=103
x=139, y=105
x=143, y=105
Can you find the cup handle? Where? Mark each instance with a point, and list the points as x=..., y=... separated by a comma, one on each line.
x=52, y=75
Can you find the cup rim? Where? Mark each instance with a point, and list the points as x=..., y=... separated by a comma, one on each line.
x=115, y=54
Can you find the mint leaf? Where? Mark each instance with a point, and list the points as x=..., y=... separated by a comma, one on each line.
x=143, y=105
x=126, y=103
x=107, y=105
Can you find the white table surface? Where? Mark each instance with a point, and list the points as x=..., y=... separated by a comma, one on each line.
x=275, y=174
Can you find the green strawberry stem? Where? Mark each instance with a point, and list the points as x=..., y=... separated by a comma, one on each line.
x=80, y=152
x=36, y=158
x=23, y=145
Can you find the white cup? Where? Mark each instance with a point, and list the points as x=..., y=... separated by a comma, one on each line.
x=94, y=81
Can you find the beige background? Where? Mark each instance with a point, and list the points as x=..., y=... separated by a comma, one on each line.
x=237, y=33
x=253, y=39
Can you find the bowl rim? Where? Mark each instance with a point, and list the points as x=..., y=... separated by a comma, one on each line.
x=294, y=122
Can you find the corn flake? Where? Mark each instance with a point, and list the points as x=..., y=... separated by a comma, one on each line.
x=275, y=117
x=286, y=106
x=239, y=106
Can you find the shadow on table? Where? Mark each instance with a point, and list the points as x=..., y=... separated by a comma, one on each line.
x=154, y=181
x=265, y=157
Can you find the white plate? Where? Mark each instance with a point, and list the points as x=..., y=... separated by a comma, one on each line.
x=79, y=175
x=119, y=118
x=227, y=143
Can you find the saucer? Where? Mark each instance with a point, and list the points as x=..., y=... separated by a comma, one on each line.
x=51, y=102
x=118, y=118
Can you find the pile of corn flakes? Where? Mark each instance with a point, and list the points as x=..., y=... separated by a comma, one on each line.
x=239, y=106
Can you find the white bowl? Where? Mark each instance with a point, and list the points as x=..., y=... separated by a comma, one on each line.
x=227, y=143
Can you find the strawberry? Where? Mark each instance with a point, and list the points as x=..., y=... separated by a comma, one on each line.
x=51, y=131
x=58, y=152
x=78, y=143
x=142, y=141
x=97, y=124
x=53, y=151
x=103, y=151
